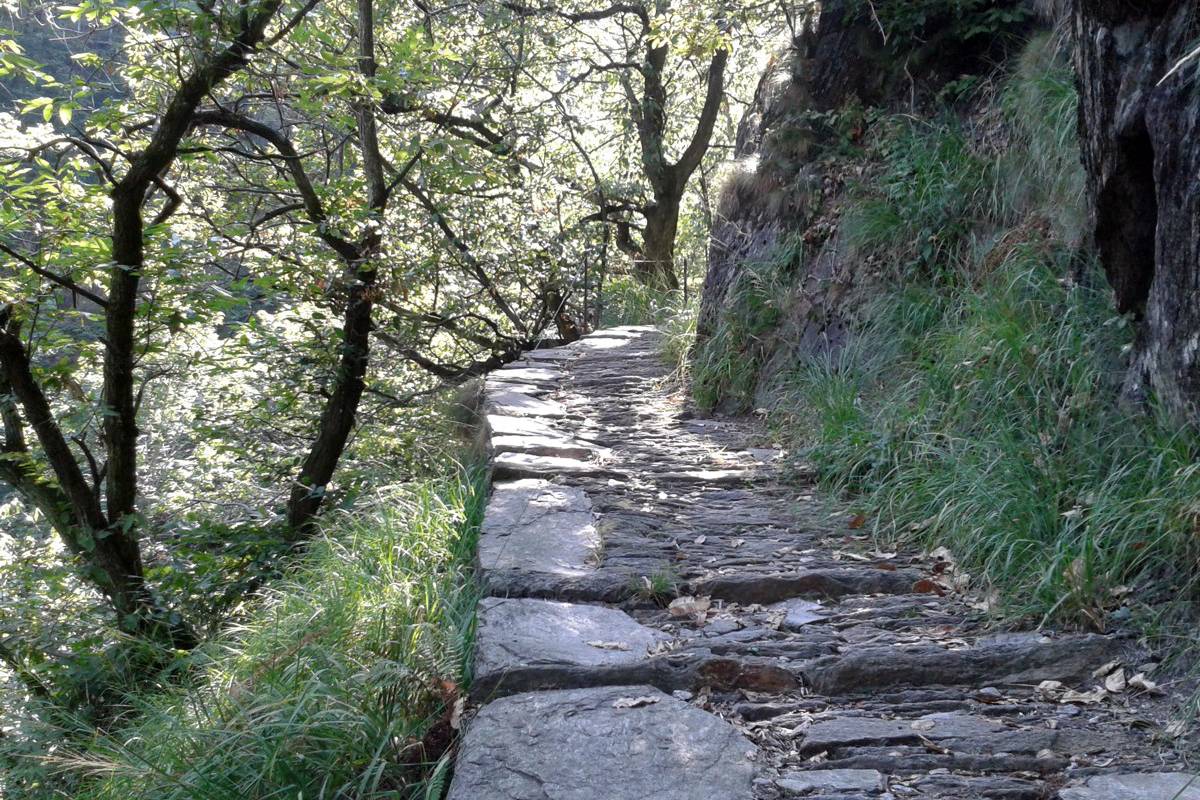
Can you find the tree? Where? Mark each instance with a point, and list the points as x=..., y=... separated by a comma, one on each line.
x=652, y=89
x=98, y=519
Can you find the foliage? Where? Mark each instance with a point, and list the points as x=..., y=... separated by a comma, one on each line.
x=985, y=419
x=339, y=685
x=911, y=25
x=928, y=198
x=725, y=367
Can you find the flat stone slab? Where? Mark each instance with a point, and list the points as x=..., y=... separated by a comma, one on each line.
x=524, y=644
x=539, y=375
x=491, y=387
x=1137, y=786
x=821, y=781
x=616, y=743
x=748, y=587
x=544, y=445
x=846, y=731
x=1070, y=659
x=510, y=465
x=538, y=527
x=601, y=342
x=506, y=425
x=799, y=612
x=514, y=403
x=549, y=354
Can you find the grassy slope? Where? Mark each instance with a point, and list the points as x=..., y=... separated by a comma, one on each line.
x=978, y=407
x=330, y=687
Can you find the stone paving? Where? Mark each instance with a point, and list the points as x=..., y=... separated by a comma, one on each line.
x=667, y=618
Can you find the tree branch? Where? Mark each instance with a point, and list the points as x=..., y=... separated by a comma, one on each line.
x=64, y=282
x=701, y=137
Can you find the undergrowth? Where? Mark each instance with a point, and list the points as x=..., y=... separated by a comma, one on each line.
x=986, y=419
x=977, y=404
x=339, y=685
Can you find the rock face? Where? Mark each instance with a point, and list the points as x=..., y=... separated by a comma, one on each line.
x=618, y=743
x=679, y=624
x=781, y=205
x=1140, y=130
x=778, y=191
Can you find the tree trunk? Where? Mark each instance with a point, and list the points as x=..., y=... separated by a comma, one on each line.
x=656, y=268
x=341, y=410
x=1140, y=135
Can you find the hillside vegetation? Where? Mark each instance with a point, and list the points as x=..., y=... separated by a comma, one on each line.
x=969, y=393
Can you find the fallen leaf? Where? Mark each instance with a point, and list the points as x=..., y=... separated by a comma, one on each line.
x=609, y=645
x=923, y=725
x=1115, y=682
x=701, y=539
x=857, y=521
x=634, y=702
x=456, y=713
x=1104, y=669
x=943, y=554
x=689, y=606
x=926, y=586
x=1176, y=729
x=1084, y=698
x=1142, y=683
x=1050, y=690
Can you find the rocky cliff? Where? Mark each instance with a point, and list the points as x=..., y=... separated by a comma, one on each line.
x=1139, y=118
x=855, y=62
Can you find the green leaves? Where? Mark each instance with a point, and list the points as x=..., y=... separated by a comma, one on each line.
x=14, y=64
x=51, y=108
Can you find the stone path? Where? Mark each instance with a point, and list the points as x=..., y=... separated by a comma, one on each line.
x=666, y=618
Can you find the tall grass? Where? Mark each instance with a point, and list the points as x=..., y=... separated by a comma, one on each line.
x=338, y=686
x=725, y=366
x=987, y=420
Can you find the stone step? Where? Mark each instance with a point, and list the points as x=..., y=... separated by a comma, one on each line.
x=832, y=583
x=529, y=644
x=526, y=644
x=1069, y=660
x=549, y=445
x=1137, y=786
x=616, y=743
x=509, y=466
x=509, y=402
